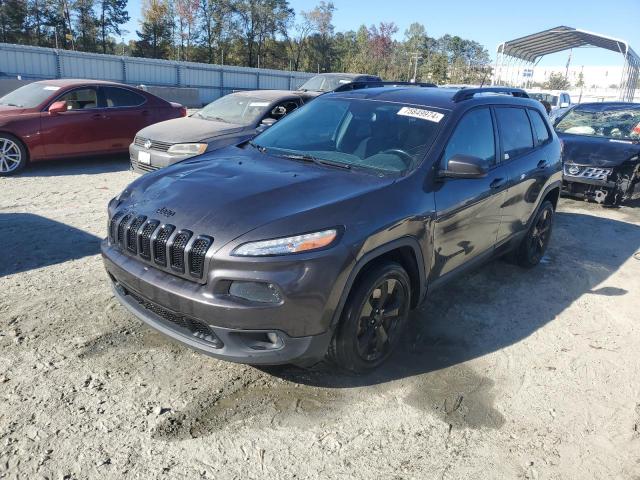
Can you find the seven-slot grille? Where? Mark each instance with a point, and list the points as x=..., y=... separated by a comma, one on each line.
x=155, y=144
x=159, y=243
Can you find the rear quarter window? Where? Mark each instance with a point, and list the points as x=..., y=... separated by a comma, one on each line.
x=539, y=127
x=121, y=97
x=515, y=131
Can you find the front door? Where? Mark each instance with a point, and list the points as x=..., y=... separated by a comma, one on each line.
x=469, y=210
x=78, y=130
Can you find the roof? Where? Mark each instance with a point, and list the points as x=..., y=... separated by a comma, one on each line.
x=426, y=96
x=600, y=106
x=553, y=40
x=66, y=82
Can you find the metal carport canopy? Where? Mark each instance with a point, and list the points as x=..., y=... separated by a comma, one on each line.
x=557, y=39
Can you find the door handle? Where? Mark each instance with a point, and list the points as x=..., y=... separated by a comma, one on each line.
x=497, y=183
x=97, y=116
x=542, y=164
x=145, y=113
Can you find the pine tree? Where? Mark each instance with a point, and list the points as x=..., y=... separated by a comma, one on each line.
x=155, y=36
x=112, y=14
x=86, y=25
x=13, y=16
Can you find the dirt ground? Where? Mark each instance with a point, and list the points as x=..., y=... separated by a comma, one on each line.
x=505, y=374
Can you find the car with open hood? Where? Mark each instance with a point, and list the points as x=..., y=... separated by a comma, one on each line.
x=53, y=119
x=230, y=119
x=316, y=238
x=601, y=151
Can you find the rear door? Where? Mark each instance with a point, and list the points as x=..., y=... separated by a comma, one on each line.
x=78, y=130
x=469, y=210
x=523, y=152
x=127, y=114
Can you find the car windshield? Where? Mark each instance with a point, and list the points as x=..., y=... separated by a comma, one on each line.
x=620, y=121
x=235, y=108
x=544, y=97
x=325, y=83
x=354, y=133
x=29, y=96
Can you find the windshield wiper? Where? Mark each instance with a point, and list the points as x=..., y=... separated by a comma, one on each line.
x=260, y=148
x=317, y=161
x=12, y=104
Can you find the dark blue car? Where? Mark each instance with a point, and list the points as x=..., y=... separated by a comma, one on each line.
x=601, y=151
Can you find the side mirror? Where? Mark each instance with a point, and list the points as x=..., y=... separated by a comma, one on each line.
x=266, y=123
x=564, y=105
x=279, y=111
x=58, y=107
x=464, y=166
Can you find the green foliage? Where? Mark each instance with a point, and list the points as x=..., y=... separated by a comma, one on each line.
x=557, y=81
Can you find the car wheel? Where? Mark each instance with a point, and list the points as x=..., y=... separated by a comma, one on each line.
x=13, y=155
x=373, y=319
x=535, y=243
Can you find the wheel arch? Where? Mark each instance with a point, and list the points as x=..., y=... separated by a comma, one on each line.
x=20, y=139
x=407, y=252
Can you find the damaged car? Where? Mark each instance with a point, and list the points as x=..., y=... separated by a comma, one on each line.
x=601, y=151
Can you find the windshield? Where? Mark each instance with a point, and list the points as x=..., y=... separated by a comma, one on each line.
x=325, y=83
x=544, y=97
x=235, y=108
x=622, y=121
x=29, y=96
x=355, y=133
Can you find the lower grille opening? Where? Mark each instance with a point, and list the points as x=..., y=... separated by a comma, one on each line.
x=194, y=327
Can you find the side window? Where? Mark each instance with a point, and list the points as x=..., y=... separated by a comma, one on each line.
x=539, y=127
x=80, y=99
x=121, y=97
x=473, y=136
x=515, y=131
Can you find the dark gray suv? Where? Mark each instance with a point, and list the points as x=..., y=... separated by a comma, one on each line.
x=318, y=237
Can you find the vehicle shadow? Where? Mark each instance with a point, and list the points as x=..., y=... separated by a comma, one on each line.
x=500, y=304
x=77, y=166
x=30, y=241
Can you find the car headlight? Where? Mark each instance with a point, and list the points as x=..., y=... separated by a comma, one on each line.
x=283, y=246
x=188, y=148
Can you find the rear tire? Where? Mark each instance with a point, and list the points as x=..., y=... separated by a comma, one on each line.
x=534, y=245
x=13, y=155
x=373, y=319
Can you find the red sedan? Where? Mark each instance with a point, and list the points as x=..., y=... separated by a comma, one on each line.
x=71, y=118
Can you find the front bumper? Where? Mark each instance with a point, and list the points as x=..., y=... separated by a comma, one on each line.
x=187, y=311
x=158, y=159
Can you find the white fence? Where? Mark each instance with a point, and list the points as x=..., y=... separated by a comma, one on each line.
x=212, y=81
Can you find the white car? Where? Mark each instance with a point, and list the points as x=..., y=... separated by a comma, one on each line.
x=560, y=101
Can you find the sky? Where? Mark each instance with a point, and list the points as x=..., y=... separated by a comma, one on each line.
x=489, y=22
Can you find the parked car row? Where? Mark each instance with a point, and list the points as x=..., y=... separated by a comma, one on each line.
x=72, y=118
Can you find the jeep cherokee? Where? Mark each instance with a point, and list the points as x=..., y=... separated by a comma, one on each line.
x=318, y=237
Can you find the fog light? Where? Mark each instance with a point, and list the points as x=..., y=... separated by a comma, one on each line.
x=256, y=292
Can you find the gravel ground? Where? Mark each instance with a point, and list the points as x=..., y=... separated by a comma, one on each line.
x=504, y=374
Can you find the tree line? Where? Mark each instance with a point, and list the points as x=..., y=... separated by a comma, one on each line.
x=252, y=33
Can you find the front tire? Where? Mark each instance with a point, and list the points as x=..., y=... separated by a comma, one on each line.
x=13, y=155
x=373, y=319
x=534, y=245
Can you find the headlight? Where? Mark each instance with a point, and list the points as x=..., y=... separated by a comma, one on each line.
x=188, y=148
x=286, y=245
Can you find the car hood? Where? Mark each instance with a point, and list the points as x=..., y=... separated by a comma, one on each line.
x=597, y=151
x=188, y=129
x=233, y=191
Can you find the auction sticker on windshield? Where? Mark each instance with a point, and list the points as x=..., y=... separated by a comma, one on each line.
x=422, y=114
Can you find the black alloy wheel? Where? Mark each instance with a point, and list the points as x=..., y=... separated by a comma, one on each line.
x=535, y=243
x=373, y=319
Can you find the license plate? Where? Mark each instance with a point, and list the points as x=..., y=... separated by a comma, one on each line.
x=144, y=157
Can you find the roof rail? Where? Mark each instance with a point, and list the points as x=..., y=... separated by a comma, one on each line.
x=468, y=93
x=347, y=87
